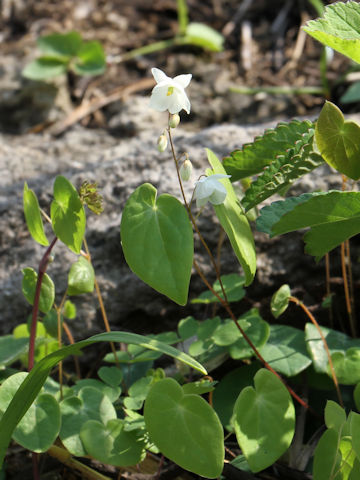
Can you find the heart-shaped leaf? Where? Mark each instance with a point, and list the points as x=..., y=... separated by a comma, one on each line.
x=286, y=351
x=347, y=366
x=327, y=458
x=233, y=285
x=60, y=44
x=90, y=59
x=67, y=214
x=33, y=216
x=338, y=141
x=157, y=240
x=90, y=404
x=235, y=223
x=264, y=420
x=40, y=425
x=111, y=444
x=185, y=428
x=335, y=416
x=45, y=67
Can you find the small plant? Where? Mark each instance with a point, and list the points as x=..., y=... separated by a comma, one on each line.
x=133, y=407
x=66, y=52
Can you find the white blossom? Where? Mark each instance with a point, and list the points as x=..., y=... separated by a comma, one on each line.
x=169, y=93
x=210, y=189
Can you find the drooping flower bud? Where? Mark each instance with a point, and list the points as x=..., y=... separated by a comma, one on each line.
x=162, y=143
x=185, y=170
x=174, y=120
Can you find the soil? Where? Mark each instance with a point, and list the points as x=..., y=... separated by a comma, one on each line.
x=260, y=50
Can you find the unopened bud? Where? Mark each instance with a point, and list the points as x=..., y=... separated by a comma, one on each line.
x=162, y=143
x=185, y=170
x=174, y=120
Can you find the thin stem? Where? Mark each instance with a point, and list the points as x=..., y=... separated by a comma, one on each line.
x=323, y=339
x=346, y=291
x=328, y=288
x=279, y=90
x=153, y=47
x=35, y=311
x=72, y=341
x=247, y=339
x=192, y=219
x=101, y=304
x=350, y=275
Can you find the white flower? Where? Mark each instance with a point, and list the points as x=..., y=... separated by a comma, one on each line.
x=210, y=189
x=169, y=93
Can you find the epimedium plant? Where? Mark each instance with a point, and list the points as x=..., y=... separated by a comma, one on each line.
x=133, y=407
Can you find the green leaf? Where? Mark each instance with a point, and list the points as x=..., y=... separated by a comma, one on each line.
x=348, y=457
x=335, y=416
x=187, y=327
x=256, y=329
x=286, y=351
x=81, y=277
x=337, y=342
x=264, y=420
x=158, y=242
x=11, y=349
x=228, y=390
x=357, y=396
x=235, y=224
x=50, y=322
x=67, y=214
x=40, y=426
x=45, y=67
x=226, y=334
x=333, y=218
x=69, y=310
x=204, y=36
x=90, y=59
x=198, y=445
x=47, y=291
x=33, y=216
x=111, y=444
x=280, y=301
x=112, y=392
x=347, y=366
x=339, y=28
x=338, y=140
x=327, y=459
x=199, y=388
x=111, y=375
x=32, y=384
x=233, y=286
x=60, y=44
x=90, y=404
x=352, y=94
x=283, y=171
x=253, y=157
x=355, y=433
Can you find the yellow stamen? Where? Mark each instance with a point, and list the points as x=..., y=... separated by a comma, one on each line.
x=170, y=91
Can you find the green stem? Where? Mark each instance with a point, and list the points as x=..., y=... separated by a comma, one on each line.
x=281, y=90
x=183, y=16
x=35, y=311
x=153, y=47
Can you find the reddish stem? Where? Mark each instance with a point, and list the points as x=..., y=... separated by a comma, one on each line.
x=35, y=311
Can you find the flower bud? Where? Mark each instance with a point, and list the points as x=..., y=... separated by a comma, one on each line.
x=185, y=170
x=174, y=120
x=162, y=143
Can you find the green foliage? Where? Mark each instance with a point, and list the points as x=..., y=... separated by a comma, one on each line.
x=33, y=216
x=280, y=301
x=64, y=52
x=198, y=443
x=339, y=28
x=204, y=36
x=69, y=310
x=67, y=214
x=338, y=140
x=235, y=224
x=11, y=349
x=81, y=277
x=157, y=241
x=286, y=351
x=253, y=157
x=352, y=94
x=333, y=217
x=47, y=292
x=283, y=171
x=233, y=286
x=265, y=413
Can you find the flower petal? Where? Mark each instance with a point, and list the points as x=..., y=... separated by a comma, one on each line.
x=159, y=75
x=183, y=80
x=219, y=194
x=159, y=100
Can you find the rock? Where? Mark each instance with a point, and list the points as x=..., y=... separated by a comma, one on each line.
x=119, y=167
